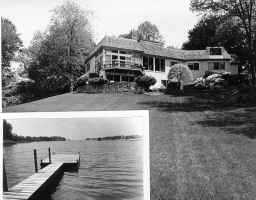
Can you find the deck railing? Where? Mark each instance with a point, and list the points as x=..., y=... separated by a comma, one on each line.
x=122, y=64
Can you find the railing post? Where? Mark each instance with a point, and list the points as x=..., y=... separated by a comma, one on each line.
x=49, y=152
x=35, y=161
x=5, y=184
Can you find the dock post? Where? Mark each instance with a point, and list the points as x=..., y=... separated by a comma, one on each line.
x=49, y=151
x=35, y=161
x=5, y=184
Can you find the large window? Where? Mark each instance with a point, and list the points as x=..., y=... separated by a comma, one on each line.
x=114, y=60
x=216, y=66
x=157, y=64
x=215, y=51
x=148, y=63
x=162, y=65
x=193, y=66
x=145, y=62
x=122, y=61
x=151, y=63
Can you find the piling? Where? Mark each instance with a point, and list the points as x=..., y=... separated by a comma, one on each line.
x=35, y=161
x=49, y=152
x=5, y=183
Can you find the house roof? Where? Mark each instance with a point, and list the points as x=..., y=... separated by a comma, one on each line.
x=153, y=48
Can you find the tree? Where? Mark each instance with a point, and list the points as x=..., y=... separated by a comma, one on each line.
x=59, y=54
x=11, y=43
x=7, y=130
x=70, y=24
x=149, y=31
x=217, y=31
x=145, y=82
x=145, y=31
x=133, y=34
x=203, y=34
x=241, y=11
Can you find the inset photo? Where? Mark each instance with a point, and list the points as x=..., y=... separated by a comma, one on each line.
x=76, y=155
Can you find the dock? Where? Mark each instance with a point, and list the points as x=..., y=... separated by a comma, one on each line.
x=52, y=169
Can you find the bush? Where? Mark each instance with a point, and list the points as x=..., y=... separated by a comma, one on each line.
x=81, y=81
x=145, y=82
x=208, y=73
x=25, y=87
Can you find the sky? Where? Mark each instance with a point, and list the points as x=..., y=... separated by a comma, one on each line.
x=78, y=128
x=111, y=17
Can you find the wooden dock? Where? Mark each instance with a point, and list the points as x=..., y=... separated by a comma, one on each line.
x=30, y=188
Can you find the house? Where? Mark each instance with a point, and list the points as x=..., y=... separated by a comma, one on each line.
x=120, y=59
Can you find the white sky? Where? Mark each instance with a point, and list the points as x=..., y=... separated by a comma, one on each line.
x=78, y=128
x=110, y=17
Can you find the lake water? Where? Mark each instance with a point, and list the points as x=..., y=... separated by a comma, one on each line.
x=108, y=169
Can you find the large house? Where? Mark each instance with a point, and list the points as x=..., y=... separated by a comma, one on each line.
x=121, y=59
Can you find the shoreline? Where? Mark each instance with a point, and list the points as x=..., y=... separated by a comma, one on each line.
x=12, y=142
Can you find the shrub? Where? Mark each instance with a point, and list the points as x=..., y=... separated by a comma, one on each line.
x=145, y=82
x=25, y=86
x=81, y=81
x=208, y=73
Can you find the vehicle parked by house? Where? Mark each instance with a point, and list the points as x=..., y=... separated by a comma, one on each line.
x=121, y=59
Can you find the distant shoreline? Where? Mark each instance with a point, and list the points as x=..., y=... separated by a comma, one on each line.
x=12, y=142
x=118, y=137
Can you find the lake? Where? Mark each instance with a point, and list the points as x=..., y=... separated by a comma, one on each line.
x=108, y=169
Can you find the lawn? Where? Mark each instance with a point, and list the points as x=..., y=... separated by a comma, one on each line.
x=198, y=150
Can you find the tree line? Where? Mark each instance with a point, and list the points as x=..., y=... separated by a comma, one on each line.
x=9, y=135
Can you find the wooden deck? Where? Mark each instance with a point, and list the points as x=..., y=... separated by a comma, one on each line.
x=66, y=159
x=31, y=187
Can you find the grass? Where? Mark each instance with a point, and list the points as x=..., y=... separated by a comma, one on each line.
x=198, y=150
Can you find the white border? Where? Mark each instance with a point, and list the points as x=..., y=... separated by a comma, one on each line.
x=93, y=114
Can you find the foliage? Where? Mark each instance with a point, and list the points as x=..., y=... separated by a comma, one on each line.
x=145, y=82
x=10, y=43
x=145, y=31
x=82, y=80
x=148, y=31
x=242, y=12
x=58, y=54
x=7, y=130
x=180, y=72
x=218, y=31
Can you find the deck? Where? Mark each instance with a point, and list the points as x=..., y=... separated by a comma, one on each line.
x=32, y=187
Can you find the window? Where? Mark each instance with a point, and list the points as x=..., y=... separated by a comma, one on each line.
x=122, y=61
x=145, y=62
x=219, y=66
x=123, y=52
x=148, y=62
x=114, y=60
x=215, y=51
x=162, y=65
x=216, y=66
x=193, y=66
x=157, y=64
x=114, y=51
x=151, y=63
